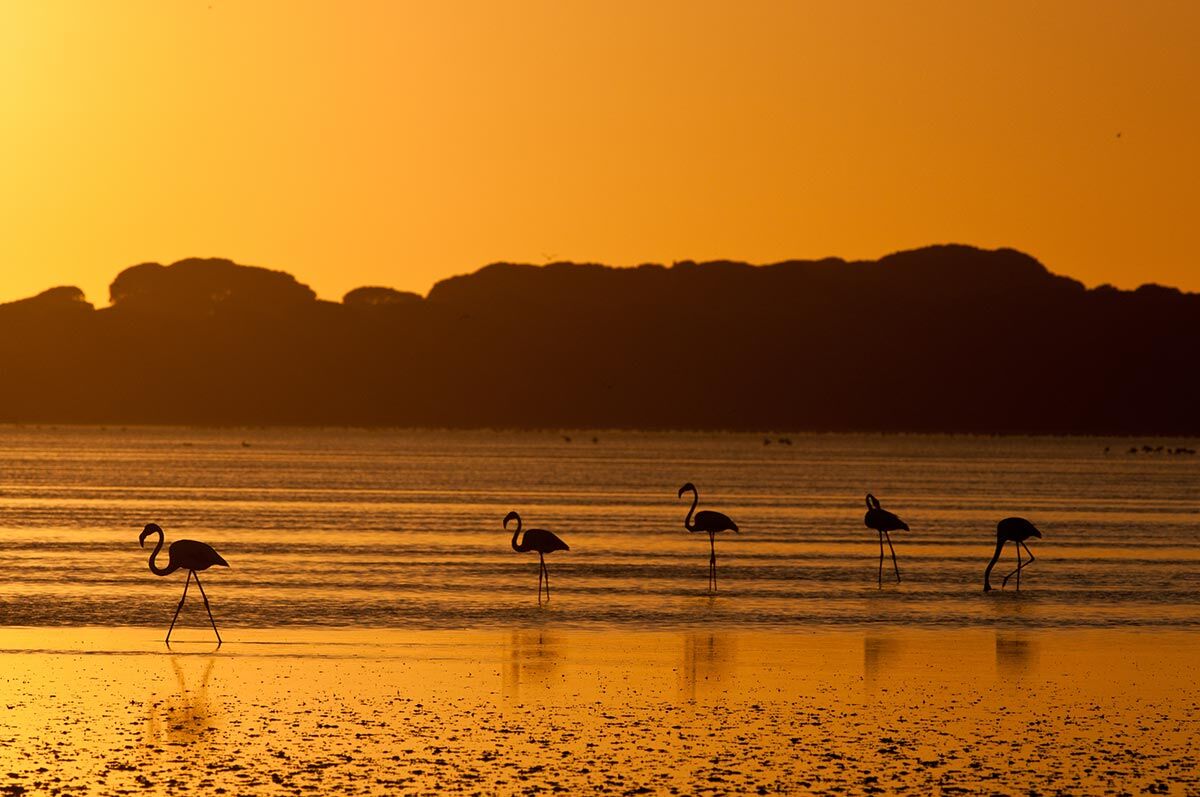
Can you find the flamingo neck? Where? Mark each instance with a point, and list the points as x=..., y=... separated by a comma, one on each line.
x=987, y=574
x=687, y=521
x=154, y=568
x=517, y=518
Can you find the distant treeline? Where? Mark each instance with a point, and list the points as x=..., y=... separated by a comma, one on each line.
x=947, y=338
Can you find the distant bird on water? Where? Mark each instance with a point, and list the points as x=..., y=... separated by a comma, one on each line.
x=709, y=522
x=883, y=521
x=190, y=555
x=539, y=540
x=1017, y=530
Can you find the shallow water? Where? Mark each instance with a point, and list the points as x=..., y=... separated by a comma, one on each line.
x=402, y=528
x=525, y=710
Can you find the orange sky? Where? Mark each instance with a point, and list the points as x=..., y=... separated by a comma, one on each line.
x=399, y=143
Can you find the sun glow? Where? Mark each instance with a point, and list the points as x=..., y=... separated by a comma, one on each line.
x=397, y=143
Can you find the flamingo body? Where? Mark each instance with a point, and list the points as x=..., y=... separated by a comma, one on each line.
x=541, y=541
x=883, y=520
x=193, y=555
x=708, y=521
x=1017, y=529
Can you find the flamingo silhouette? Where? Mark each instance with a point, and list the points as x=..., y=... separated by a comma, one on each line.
x=539, y=540
x=883, y=521
x=191, y=556
x=1017, y=530
x=710, y=522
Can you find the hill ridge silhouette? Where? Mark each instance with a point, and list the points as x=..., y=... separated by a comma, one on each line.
x=943, y=338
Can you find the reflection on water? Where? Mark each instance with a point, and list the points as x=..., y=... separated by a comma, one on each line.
x=1016, y=654
x=880, y=654
x=1007, y=607
x=332, y=527
x=707, y=658
x=188, y=714
x=532, y=657
x=322, y=711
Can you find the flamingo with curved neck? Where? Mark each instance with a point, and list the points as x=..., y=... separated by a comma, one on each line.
x=539, y=540
x=187, y=554
x=710, y=523
x=1016, y=530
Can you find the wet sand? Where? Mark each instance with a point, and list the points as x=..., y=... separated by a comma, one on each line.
x=294, y=711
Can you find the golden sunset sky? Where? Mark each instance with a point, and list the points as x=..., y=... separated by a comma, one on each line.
x=355, y=143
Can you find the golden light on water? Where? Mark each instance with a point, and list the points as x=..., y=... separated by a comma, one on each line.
x=511, y=711
x=382, y=636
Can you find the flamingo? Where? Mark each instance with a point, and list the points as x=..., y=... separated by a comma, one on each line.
x=710, y=522
x=883, y=521
x=539, y=540
x=190, y=555
x=1016, y=529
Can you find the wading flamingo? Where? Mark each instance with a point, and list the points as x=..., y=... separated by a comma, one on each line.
x=710, y=523
x=539, y=540
x=1016, y=529
x=883, y=521
x=191, y=556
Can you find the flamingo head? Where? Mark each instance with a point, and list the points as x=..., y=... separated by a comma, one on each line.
x=872, y=502
x=685, y=488
x=510, y=517
x=151, y=528
x=1037, y=533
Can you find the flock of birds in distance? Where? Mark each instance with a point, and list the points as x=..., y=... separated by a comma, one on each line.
x=195, y=557
x=1184, y=450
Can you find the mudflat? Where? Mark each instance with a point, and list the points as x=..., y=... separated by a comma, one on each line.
x=285, y=710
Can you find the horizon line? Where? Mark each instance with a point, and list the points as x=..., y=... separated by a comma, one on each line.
x=107, y=301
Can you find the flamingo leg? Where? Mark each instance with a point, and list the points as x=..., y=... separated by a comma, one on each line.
x=893, y=550
x=210, y=616
x=712, y=562
x=541, y=569
x=1020, y=565
x=547, y=572
x=881, y=560
x=1026, y=547
x=180, y=606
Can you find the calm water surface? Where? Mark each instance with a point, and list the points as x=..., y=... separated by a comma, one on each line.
x=402, y=528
